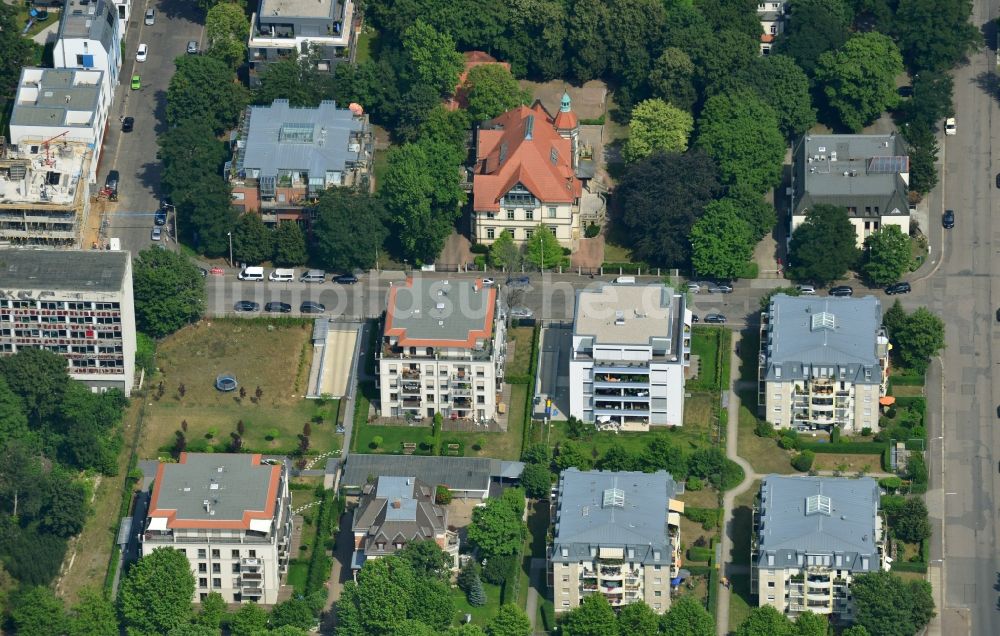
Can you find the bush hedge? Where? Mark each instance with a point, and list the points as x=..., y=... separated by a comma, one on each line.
x=909, y=566
x=699, y=554
x=845, y=448
x=707, y=517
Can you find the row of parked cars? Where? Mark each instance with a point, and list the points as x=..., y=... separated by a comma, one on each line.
x=307, y=307
x=282, y=275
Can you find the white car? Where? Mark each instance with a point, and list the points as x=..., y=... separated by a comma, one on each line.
x=489, y=282
x=949, y=126
x=140, y=55
x=150, y=17
x=806, y=290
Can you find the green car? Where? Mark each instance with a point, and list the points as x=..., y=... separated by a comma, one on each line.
x=136, y=84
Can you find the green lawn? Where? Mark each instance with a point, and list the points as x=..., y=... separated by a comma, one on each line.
x=366, y=43
x=22, y=16
x=520, y=364
x=763, y=453
x=480, y=615
x=379, y=166
x=739, y=600
x=298, y=571
x=749, y=350
x=711, y=345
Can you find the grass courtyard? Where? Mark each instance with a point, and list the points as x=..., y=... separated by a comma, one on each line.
x=273, y=355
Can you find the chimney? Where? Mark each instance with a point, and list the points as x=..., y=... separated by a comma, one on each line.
x=397, y=504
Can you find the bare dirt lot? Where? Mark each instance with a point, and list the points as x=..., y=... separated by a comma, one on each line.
x=588, y=100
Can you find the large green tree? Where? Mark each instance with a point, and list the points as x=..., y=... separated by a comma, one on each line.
x=811, y=624
x=509, y=621
x=492, y=90
x=289, y=245
x=253, y=242
x=39, y=378
x=169, y=291
x=658, y=200
x=187, y=153
x=859, y=79
x=638, y=619
x=228, y=28
x=434, y=58
x=506, y=254
x=543, y=249
x=687, y=617
x=935, y=35
x=17, y=50
x=741, y=133
x=204, y=89
x=497, y=528
x=887, y=255
x=824, y=246
x=349, y=229
x=296, y=79
x=656, y=125
x=593, y=617
x=919, y=338
x=586, y=37
x=93, y=615
x=672, y=78
x=887, y=606
x=783, y=86
x=818, y=26
x=537, y=480
x=765, y=621
x=208, y=215
x=249, y=620
x=37, y=611
x=930, y=103
x=910, y=522
x=295, y=612
x=213, y=608
x=632, y=25
x=156, y=593
x=721, y=241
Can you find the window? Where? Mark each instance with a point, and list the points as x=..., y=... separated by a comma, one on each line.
x=776, y=396
x=868, y=412
x=236, y=554
x=203, y=582
x=491, y=233
x=201, y=553
x=216, y=568
x=774, y=29
x=202, y=568
x=565, y=603
x=528, y=233
x=770, y=597
x=253, y=554
x=565, y=591
x=770, y=583
x=529, y=215
x=552, y=229
x=182, y=551
x=491, y=215
x=552, y=212
x=236, y=568
x=777, y=409
x=657, y=581
x=215, y=554
x=510, y=215
x=658, y=593
x=216, y=582
x=657, y=606
x=565, y=578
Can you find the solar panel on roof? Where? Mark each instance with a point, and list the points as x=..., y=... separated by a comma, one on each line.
x=888, y=165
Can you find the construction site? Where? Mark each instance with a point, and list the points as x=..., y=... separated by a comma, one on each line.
x=44, y=193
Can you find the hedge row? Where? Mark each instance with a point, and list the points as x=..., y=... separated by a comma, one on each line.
x=319, y=562
x=699, y=554
x=846, y=448
x=909, y=566
x=518, y=378
x=699, y=570
x=907, y=379
x=708, y=517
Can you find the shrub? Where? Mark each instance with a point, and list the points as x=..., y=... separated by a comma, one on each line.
x=803, y=461
x=497, y=569
x=592, y=230
x=707, y=517
x=479, y=261
x=695, y=484
x=376, y=441
x=835, y=435
x=866, y=431
x=787, y=442
x=271, y=434
x=479, y=248
x=764, y=429
x=442, y=496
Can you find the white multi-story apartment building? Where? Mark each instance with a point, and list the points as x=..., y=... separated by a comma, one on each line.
x=525, y=175
x=616, y=534
x=811, y=536
x=772, y=21
x=284, y=28
x=90, y=38
x=76, y=304
x=230, y=514
x=58, y=105
x=442, y=350
x=631, y=344
x=824, y=362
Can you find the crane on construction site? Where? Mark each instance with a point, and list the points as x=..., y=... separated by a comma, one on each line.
x=48, y=158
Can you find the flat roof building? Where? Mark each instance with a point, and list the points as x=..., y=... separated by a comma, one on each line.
x=230, y=514
x=823, y=361
x=868, y=175
x=811, y=536
x=464, y=476
x=76, y=304
x=90, y=36
x=285, y=157
x=443, y=350
x=616, y=534
x=631, y=344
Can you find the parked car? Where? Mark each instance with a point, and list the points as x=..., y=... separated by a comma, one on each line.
x=150, y=17
x=140, y=55
x=717, y=319
x=345, y=279
x=204, y=272
x=127, y=124
x=192, y=47
x=842, y=290
x=949, y=126
x=160, y=217
x=806, y=290
x=246, y=305
x=311, y=307
x=274, y=306
x=998, y=179
x=111, y=182
x=155, y=234
x=694, y=318
x=696, y=287
x=905, y=91
x=948, y=220
x=520, y=312
x=721, y=288
x=489, y=282
x=898, y=288
x=998, y=314
x=519, y=281
x=136, y=82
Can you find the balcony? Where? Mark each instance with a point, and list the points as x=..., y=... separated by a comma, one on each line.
x=411, y=374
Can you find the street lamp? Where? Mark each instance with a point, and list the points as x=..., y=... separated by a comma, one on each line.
x=230, y=235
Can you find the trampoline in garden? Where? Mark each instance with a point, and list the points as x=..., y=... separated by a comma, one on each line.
x=226, y=383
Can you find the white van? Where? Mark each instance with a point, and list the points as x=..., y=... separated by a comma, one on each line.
x=282, y=275
x=251, y=273
x=313, y=276
x=625, y=280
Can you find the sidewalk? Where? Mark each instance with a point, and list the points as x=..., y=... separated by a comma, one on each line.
x=727, y=568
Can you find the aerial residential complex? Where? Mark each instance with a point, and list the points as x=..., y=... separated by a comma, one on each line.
x=77, y=304
x=824, y=362
x=229, y=513
x=631, y=345
x=285, y=157
x=867, y=174
x=301, y=28
x=811, y=536
x=616, y=534
x=442, y=350
x=395, y=511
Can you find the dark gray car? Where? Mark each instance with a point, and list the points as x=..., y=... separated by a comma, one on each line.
x=310, y=307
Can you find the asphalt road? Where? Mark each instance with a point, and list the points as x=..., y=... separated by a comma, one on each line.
x=966, y=293
x=134, y=154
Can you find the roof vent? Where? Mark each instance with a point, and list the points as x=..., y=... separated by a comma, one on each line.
x=823, y=320
x=818, y=504
x=614, y=497
x=619, y=318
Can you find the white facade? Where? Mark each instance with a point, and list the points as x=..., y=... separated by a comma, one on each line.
x=863, y=228
x=90, y=37
x=772, y=22
x=522, y=220
x=124, y=8
x=631, y=345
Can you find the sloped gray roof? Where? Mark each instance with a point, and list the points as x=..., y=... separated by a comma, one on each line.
x=313, y=140
x=458, y=473
x=589, y=519
x=398, y=507
x=788, y=534
x=801, y=338
x=852, y=171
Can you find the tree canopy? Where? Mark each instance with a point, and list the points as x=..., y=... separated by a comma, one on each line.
x=765, y=621
x=169, y=291
x=918, y=339
x=593, y=617
x=228, y=28
x=435, y=60
x=289, y=245
x=490, y=90
x=888, y=606
x=824, y=246
x=656, y=125
x=819, y=26
x=859, y=79
x=935, y=35
x=156, y=593
x=17, y=50
x=497, y=528
x=204, y=88
x=509, y=621
x=721, y=241
x=687, y=617
x=543, y=249
x=253, y=242
x=887, y=255
x=349, y=229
